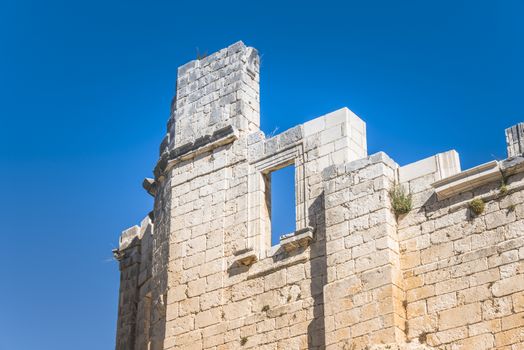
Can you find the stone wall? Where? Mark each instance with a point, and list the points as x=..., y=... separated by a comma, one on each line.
x=464, y=272
x=202, y=274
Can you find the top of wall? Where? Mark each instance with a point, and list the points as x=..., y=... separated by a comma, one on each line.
x=217, y=101
x=214, y=92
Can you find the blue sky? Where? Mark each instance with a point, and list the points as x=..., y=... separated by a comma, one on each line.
x=85, y=89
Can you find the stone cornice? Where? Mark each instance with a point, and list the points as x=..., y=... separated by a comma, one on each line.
x=190, y=150
x=475, y=177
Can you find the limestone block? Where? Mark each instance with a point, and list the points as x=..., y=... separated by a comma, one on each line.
x=275, y=280
x=492, y=326
x=448, y=336
x=496, y=308
x=420, y=293
x=474, y=294
x=508, y=286
x=314, y=126
x=366, y=327
x=512, y=336
x=442, y=302
x=208, y=317
x=480, y=342
x=418, y=169
x=460, y=316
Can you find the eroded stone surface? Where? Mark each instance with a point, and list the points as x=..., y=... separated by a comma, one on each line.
x=438, y=277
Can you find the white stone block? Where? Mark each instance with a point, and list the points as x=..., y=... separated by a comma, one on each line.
x=314, y=126
x=448, y=164
x=337, y=117
x=331, y=134
x=417, y=169
x=443, y=164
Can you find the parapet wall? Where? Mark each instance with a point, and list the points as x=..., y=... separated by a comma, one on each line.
x=354, y=274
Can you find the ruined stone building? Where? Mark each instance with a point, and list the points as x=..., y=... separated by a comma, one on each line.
x=419, y=256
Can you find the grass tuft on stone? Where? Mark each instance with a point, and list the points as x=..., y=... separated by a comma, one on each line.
x=503, y=189
x=400, y=200
x=477, y=206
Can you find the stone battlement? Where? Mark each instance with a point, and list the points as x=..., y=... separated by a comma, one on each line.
x=357, y=273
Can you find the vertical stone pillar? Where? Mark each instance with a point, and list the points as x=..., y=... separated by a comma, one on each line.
x=363, y=296
x=515, y=140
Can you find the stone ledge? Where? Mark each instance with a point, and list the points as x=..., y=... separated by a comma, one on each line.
x=246, y=257
x=269, y=265
x=467, y=180
x=190, y=150
x=300, y=238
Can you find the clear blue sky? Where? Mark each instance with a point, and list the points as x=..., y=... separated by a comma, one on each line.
x=85, y=89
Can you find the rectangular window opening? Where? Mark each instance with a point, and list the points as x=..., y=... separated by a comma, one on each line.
x=280, y=202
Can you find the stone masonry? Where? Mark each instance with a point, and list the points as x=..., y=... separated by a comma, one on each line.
x=199, y=272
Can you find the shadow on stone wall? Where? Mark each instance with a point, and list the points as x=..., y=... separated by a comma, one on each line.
x=160, y=258
x=318, y=261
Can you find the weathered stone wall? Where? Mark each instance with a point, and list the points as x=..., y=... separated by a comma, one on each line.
x=353, y=274
x=364, y=290
x=464, y=273
x=134, y=308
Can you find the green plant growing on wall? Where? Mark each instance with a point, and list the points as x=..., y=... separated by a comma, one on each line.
x=400, y=200
x=477, y=206
x=503, y=189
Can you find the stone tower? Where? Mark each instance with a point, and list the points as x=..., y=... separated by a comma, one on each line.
x=200, y=271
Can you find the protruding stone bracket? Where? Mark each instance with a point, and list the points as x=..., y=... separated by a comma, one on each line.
x=246, y=257
x=294, y=240
x=150, y=186
x=467, y=180
x=117, y=254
